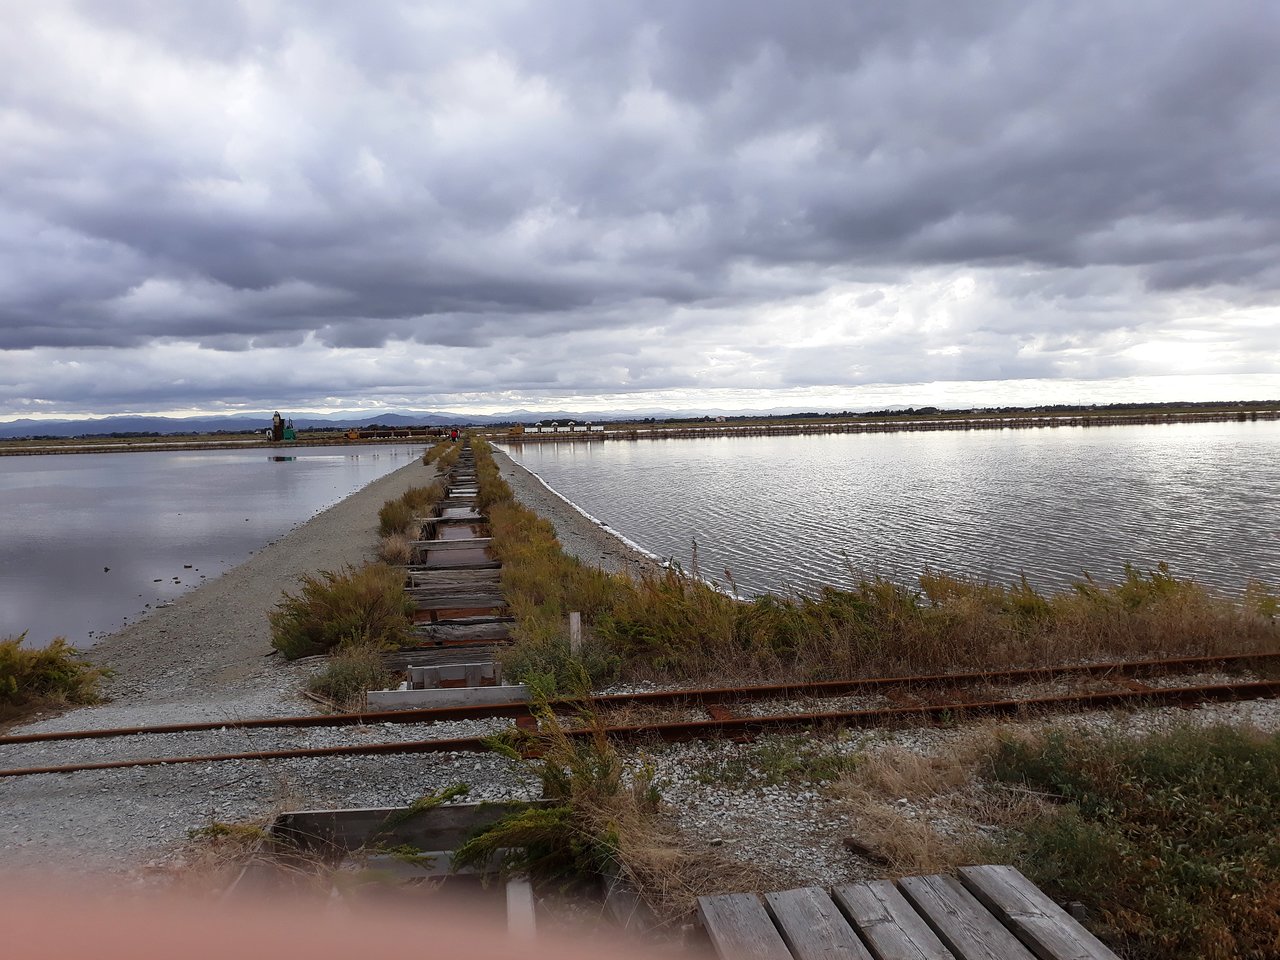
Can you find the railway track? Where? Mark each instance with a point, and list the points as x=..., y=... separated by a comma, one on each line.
x=917, y=699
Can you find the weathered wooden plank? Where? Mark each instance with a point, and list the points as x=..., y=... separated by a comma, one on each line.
x=813, y=927
x=740, y=928
x=441, y=600
x=434, y=545
x=521, y=922
x=470, y=632
x=460, y=561
x=969, y=930
x=465, y=585
x=418, y=656
x=422, y=578
x=884, y=918
x=1049, y=931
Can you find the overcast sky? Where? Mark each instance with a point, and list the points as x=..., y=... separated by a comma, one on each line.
x=211, y=206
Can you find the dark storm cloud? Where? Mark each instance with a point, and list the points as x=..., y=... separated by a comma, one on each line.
x=322, y=176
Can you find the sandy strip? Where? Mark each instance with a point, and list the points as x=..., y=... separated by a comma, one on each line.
x=579, y=533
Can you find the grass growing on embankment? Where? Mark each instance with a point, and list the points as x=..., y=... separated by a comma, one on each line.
x=1167, y=838
x=40, y=678
x=673, y=626
x=364, y=606
x=444, y=453
x=541, y=584
x=1170, y=841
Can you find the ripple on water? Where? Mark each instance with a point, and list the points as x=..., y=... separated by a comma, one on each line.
x=805, y=510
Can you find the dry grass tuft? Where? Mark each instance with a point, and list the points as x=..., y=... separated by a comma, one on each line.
x=43, y=678
x=396, y=549
x=350, y=674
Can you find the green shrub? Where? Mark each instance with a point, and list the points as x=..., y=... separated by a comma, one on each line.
x=55, y=675
x=364, y=605
x=351, y=672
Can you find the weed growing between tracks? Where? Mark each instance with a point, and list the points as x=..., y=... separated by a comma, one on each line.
x=52, y=677
x=777, y=761
x=604, y=820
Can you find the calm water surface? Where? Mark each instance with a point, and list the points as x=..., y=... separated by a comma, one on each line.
x=802, y=510
x=163, y=522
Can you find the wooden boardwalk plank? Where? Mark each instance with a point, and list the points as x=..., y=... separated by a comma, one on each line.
x=740, y=928
x=967, y=928
x=813, y=927
x=1050, y=932
x=892, y=929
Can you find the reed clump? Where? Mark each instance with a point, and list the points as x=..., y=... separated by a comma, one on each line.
x=395, y=549
x=365, y=605
x=37, y=678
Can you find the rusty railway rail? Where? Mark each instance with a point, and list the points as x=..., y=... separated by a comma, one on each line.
x=697, y=696
x=727, y=725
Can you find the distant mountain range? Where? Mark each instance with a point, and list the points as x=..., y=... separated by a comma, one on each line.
x=248, y=422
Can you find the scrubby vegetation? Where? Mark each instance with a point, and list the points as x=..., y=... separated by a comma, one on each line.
x=397, y=516
x=364, y=606
x=1167, y=838
x=36, y=678
x=444, y=453
x=674, y=626
x=351, y=672
x=1170, y=841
